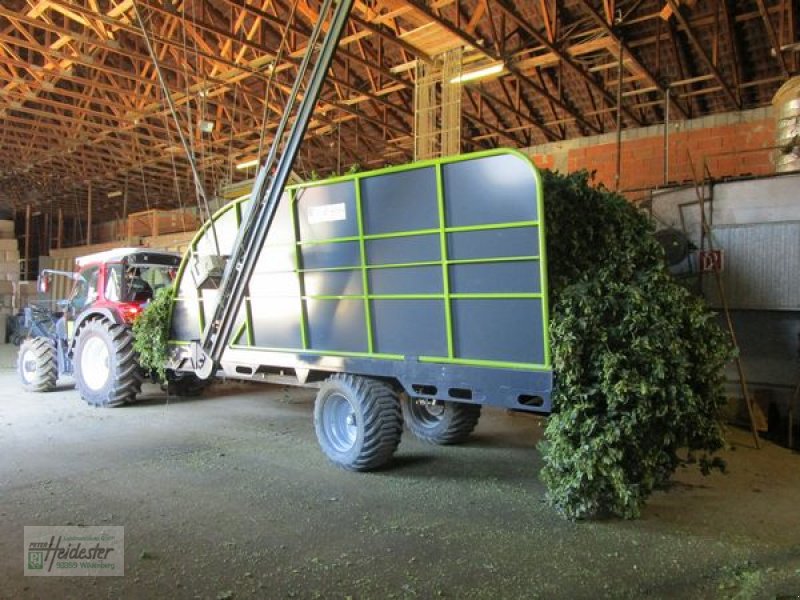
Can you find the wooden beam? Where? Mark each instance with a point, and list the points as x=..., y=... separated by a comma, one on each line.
x=562, y=54
x=773, y=37
x=474, y=43
x=690, y=33
x=611, y=32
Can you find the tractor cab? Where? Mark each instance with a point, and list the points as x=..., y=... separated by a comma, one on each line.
x=119, y=283
x=90, y=334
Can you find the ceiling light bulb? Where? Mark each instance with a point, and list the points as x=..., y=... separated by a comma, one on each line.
x=246, y=165
x=479, y=73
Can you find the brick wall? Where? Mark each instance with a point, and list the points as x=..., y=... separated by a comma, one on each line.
x=731, y=144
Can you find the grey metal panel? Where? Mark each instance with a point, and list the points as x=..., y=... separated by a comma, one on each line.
x=501, y=330
x=185, y=320
x=761, y=266
x=771, y=199
x=508, y=277
x=496, y=189
x=337, y=325
x=321, y=256
x=409, y=327
x=768, y=344
x=519, y=241
x=276, y=322
x=415, y=248
x=276, y=258
x=404, y=201
x=281, y=231
x=265, y=285
x=210, y=297
x=310, y=203
x=761, y=200
x=333, y=283
x=226, y=229
x=406, y=280
x=209, y=302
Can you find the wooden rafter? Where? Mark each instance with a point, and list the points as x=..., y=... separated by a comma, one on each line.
x=79, y=100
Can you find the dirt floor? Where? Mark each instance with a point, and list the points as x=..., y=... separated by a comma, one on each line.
x=229, y=497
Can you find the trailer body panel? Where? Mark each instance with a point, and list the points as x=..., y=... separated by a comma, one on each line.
x=433, y=274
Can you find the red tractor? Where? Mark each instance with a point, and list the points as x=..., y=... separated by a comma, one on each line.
x=90, y=335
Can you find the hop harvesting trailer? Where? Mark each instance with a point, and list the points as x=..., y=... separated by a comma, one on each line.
x=422, y=285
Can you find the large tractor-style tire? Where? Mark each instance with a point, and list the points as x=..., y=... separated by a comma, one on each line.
x=358, y=421
x=442, y=423
x=107, y=372
x=37, y=364
x=187, y=386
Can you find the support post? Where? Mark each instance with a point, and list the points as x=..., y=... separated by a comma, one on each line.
x=60, y=229
x=89, y=215
x=27, y=241
x=666, y=136
x=620, y=65
x=124, y=223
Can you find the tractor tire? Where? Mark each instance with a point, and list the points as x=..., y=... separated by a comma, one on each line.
x=107, y=372
x=37, y=364
x=358, y=422
x=187, y=386
x=442, y=423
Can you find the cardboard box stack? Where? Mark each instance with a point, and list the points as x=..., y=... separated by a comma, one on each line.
x=9, y=273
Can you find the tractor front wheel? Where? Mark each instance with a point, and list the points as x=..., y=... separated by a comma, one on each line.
x=37, y=364
x=358, y=422
x=107, y=372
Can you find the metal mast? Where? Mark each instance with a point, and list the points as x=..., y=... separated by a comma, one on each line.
x=270, y=183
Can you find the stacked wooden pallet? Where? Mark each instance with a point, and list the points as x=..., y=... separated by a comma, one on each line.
x=9, y=273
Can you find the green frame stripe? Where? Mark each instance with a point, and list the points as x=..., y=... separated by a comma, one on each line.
x=298, y=263
x=362, y=247
x=448, y=317
x=418, y=232
x=317, y=352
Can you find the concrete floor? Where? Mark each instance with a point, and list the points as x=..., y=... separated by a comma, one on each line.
x=229, y=497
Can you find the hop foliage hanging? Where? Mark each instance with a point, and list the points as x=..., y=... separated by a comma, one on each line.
x=638, y=360
x=151, y=333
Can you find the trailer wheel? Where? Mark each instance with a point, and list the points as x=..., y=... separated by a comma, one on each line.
x=358, y=422
x=187, y=386
x=37, y=364
x=442, y=423
x=107, y=373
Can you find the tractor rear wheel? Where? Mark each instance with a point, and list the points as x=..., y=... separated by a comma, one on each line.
x=107, y=372
x=358, y=422
x=442, y=423
x=37, y=364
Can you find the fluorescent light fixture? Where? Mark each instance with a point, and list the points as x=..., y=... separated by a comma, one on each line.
x=246, y=165
x=479, y=73
x=115, y=194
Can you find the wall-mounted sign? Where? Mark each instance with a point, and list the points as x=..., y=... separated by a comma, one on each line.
x=326, y=213
x=710, y=261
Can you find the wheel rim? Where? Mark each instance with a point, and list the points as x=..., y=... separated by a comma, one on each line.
x=425, y=413
x=28, y=364
x=339, y=421
x=95, y=363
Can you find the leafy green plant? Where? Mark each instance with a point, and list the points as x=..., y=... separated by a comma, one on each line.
x=638, y=360
x=151, y=333
x=353, y=169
